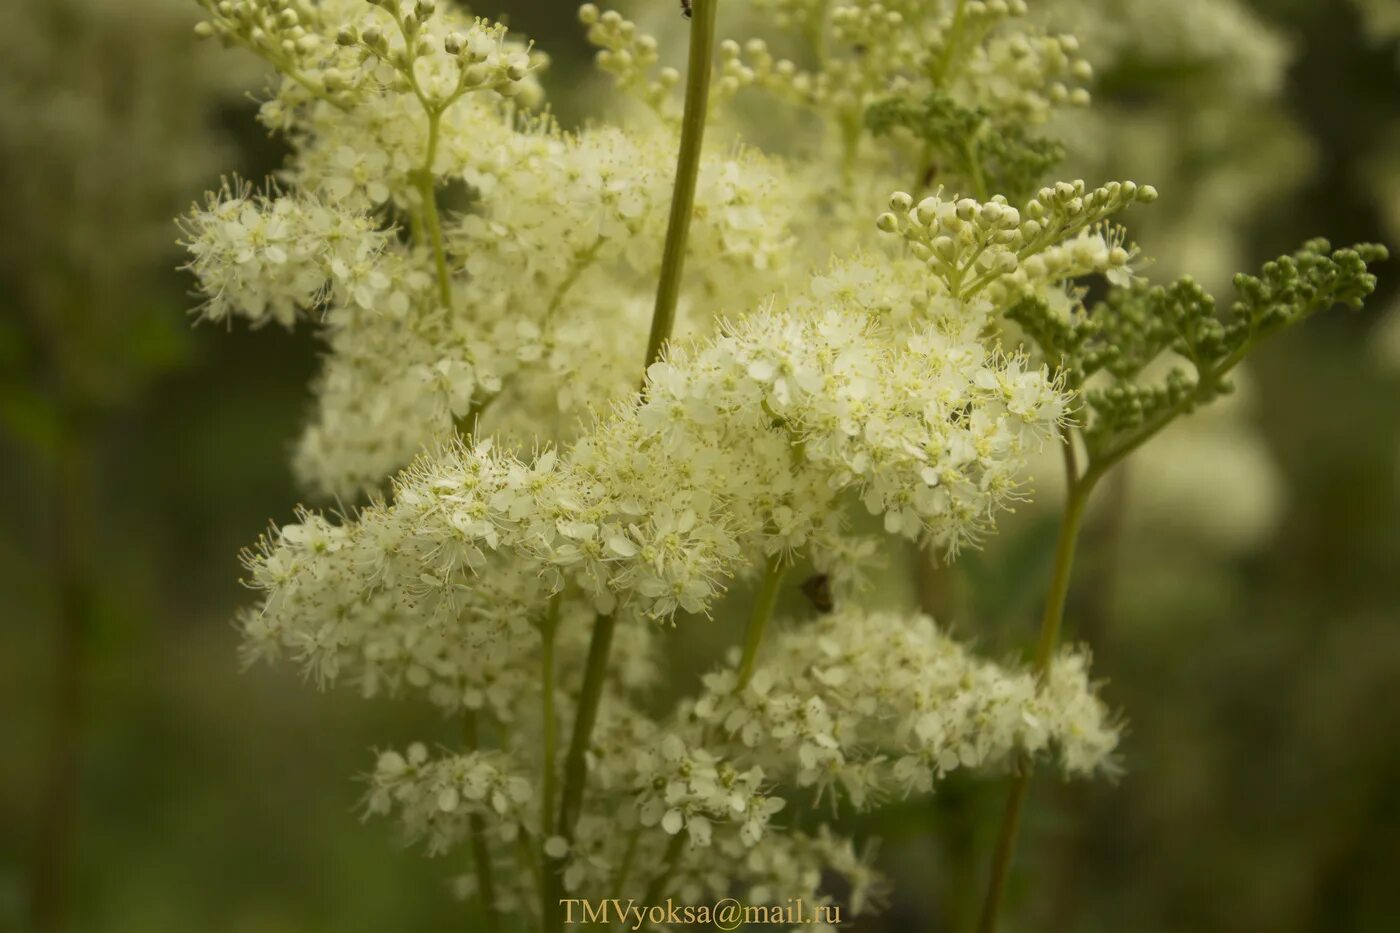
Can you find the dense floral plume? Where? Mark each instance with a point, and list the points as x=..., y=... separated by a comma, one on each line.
x=529, y=500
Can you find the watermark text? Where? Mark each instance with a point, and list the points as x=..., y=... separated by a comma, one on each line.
x=724, y=914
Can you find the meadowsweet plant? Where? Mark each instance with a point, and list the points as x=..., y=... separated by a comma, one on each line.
x=582, y=385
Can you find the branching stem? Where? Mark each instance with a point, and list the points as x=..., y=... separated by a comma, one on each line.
x=1051, y=622
x=428, y=194
x=424, y=180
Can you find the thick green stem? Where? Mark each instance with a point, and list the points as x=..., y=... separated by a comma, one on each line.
x=1051, y=623
x=697, y=97
x=481, y=853
x=766, y=599
x=527, y=862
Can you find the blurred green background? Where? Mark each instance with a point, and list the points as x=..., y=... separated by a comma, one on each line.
x=138, y=454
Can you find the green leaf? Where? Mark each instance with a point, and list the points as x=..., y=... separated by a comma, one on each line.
x=1000, y=157
x=1133, y=326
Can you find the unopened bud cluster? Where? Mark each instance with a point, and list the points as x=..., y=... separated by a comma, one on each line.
x=629, y=55
x=970, y=245
x=331, y=49
x=985, y=53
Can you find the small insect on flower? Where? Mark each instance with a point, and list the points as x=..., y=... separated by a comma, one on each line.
x=685, y=9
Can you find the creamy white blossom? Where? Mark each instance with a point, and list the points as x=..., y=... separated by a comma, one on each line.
x=871, y=704
x=539, y=473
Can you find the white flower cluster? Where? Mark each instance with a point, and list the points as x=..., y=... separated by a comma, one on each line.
x=483, y=280
x=338, y=50
x=924, y=424
x=864, y=706
x=989, y=68
x=414, y=598
x=868, y=704
x=677, y=787
x=268, y=258
x=736, y=453
x=535, y=338
x=435, y=798
x=366, y=143
x=553, y=257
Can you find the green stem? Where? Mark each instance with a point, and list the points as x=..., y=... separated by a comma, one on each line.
x=697, y=96
x=417, y=233
x=424, y=180
x=1005, y=849
x=1051, y=623
x=547, y=632
x=481, y=854
x=1065, y=545
x=582, y=260
x=852, y=124
x=762, y=611
x=576, y=761
x=427, y=192
x=816, y=36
